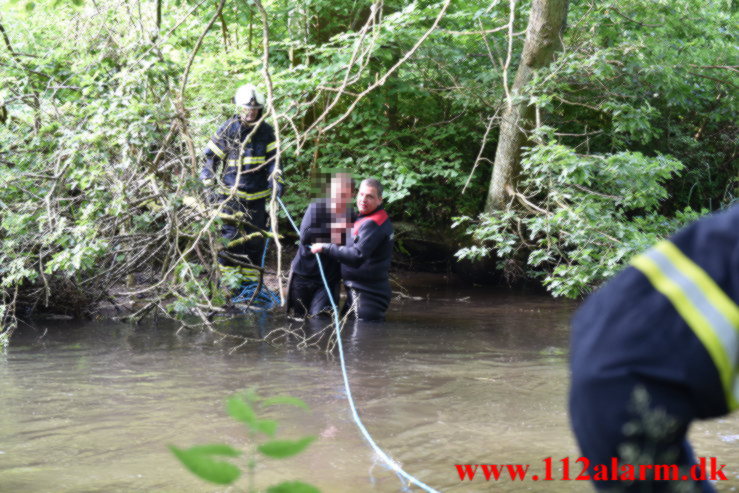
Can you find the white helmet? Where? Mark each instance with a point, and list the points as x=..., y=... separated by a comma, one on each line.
x=247, y=96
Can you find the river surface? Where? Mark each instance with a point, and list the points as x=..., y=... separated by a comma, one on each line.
x=459, y=376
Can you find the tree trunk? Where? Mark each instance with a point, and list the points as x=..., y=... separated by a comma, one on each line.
x=546, y=22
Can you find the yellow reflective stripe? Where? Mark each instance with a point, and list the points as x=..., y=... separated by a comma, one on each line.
x=248, y=196
x=254, y=196
x=271, y=146
x=216, y=150
x=692, y=317
x=719, y=299
x=693, y=294
x=245, y=272
x=246, y=160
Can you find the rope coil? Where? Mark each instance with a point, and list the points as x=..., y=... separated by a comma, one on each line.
x=263, y=300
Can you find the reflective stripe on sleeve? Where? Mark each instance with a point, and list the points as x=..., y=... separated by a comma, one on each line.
x=272, y=146
x=216, y=150
x=234, y=163
x=708, y=311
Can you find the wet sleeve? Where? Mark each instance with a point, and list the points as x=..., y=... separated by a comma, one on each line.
x=371, y=236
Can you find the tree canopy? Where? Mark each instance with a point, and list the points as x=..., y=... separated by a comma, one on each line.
x=105, y=106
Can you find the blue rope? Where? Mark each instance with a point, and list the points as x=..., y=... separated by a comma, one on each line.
x=265, y=299
x=337, y=326
x=264, y=253
x=289, y=217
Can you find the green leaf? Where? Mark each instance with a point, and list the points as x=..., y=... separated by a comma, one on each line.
x=241, y=411
x=285, y=399
x=293, y=487
x=197, y=461
x=280, y=449
x=266, y=426
x=30, y=6
x=215, y=449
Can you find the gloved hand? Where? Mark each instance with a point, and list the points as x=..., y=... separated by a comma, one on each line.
x=275, y=179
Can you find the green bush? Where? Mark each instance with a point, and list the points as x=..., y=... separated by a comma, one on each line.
x=582, y=219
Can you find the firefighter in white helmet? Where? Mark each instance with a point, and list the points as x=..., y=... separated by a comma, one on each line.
x=239, y=162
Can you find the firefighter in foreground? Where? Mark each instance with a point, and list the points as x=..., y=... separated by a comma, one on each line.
x=365, y=259
x=325, y=220
x=239, y=165
x=654, y=349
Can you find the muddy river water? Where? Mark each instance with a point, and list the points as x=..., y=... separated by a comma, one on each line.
x=456, y=376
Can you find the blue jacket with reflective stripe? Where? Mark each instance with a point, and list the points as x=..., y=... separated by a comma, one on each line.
x=628, y=327
x=231, y=144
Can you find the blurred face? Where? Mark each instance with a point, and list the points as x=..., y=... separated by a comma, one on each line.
x=341, y=192
x=368, y=199
x=250, y=115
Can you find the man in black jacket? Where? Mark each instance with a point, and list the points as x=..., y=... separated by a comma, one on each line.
x=365, y=259
x=325, y=220
x=239, y=163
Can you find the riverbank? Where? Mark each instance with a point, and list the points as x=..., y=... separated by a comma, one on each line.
x=421, y=262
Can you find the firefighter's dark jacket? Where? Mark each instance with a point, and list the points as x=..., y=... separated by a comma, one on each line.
x=248, y=156
x=365, y=260
x=316, y=228
x=677, y=300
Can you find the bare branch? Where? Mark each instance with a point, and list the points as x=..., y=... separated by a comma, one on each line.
x=7, y=42
x=395, y=67
x=614, y=9
x=479, y=157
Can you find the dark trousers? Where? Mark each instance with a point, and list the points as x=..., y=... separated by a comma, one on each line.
x=372, y=300
x=250, y=251
x=308, y=297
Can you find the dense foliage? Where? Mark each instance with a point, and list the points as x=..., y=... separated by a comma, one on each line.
x=636, y=136
x=104, y=107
